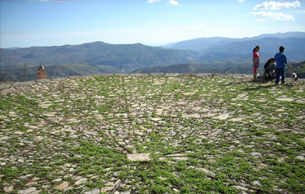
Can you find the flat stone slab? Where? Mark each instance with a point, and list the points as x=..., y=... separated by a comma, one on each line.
x=171, y=74
x=301, y=101
x=43, y=80
x=59, y=79
x=94, y=191
x=236, y=119
x=209, y=173
x=139, y=74
x=211, y=114
x=99, y=117
x=300, y=157
x=159, y=111
x=285, y=99
x=23, y=83
x=241, y=188
x=204, y=110
x=189, y=93
x=139, y=157
x=256, y=154
x=176, y=155
x=105, y=75
x=42, y=105
x=5, y=86
x=8, y=189
x=121, y=74
x=3, y=117
x=279, y=110
x=105, y=189
x=203, y=75
x=156, y=74
x=260, y=100
x=50, y=114
x=73, y=120
x=222, y=117
x=81, y=181
x=62, y=186
x=75, y=77
x=196, y=116
x=187, y=74
x=156, y=119
x=179, y=158
x=28, y=191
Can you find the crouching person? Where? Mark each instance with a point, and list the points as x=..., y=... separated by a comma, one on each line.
x=269, y=73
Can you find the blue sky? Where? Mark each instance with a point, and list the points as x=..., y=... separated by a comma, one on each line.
x=26, y=23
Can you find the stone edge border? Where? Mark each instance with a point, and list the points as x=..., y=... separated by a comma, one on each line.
x=27, y=83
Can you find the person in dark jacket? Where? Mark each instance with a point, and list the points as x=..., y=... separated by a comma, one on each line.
x=269, y=73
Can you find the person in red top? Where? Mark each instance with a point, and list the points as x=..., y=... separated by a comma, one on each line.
x=256, y=60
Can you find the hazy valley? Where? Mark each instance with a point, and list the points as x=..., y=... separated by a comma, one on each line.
x=202, y=55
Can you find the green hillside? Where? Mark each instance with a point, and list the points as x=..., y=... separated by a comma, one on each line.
x=87, y=59
x=97, y=53
x=218, y=67
x=16, y=73
x=298, y=68
x=221, y=55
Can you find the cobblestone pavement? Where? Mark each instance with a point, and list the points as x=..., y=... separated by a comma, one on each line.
x=153, y=133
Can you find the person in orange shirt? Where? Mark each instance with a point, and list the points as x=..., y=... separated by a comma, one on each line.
x=256, y=61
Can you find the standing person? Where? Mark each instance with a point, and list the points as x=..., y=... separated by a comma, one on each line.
x=281, y=62
x=256, y=60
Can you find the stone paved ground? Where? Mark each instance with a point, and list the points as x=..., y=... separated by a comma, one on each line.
x=152, y=134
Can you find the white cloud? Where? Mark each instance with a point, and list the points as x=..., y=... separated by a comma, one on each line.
x=173, y=2
x=260, y=20
x=273, y=5
x=51, y=0
x=273, y=15
x=152, y=1
x=241, y=1
x=169, y=2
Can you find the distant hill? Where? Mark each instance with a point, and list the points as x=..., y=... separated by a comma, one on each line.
x=226, y=49
x=85, y=59
x=201, y=44
x=268, y=45
x=215, y=55
x=278, y=35
x=16, y=73
x=217, y=67
x=220, y=67
x=128, y=56
x=242, y=51
x=298, y=68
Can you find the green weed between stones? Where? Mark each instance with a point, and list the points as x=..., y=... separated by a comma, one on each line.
x=89, y=125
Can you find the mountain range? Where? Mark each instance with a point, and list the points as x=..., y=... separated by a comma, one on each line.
x=224, y=49
x=100, y=57
x=203, y=45
x=128, y=56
